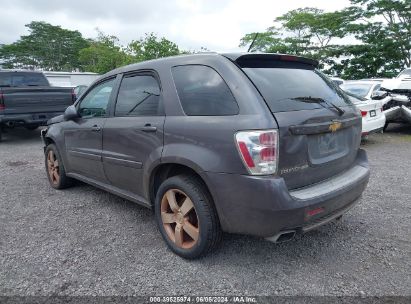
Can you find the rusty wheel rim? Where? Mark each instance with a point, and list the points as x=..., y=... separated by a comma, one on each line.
x=53, y=167
x=180, y=220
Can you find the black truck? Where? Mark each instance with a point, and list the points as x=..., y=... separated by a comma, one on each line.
x=28, y=100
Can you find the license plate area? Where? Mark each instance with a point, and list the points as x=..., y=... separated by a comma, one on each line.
x=326, y=147
x=373, y=113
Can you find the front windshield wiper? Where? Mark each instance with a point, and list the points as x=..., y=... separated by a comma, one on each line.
x=320, y=100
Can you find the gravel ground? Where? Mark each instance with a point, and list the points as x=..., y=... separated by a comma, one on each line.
x=83, y=241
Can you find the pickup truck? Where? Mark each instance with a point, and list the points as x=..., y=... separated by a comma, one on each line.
x=28, y=100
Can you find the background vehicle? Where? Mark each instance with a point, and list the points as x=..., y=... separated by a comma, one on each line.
x=367, y=97
x=27, y=99
x=362, y=88
x=373, y=118
x=258, y=144
x=398, y=109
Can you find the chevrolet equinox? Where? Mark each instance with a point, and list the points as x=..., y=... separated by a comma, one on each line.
x=257, y=144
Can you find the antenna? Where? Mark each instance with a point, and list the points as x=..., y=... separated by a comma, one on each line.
x=252, y=43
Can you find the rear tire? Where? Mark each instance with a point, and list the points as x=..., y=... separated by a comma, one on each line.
x=186, y=217
x=56, y=172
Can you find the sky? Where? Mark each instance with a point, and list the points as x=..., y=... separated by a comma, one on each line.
x=217, y=25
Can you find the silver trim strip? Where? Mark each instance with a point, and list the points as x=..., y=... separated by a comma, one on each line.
x=333, y=184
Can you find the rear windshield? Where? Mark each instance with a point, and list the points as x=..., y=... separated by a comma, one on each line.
x=22, y=79
x=293, y=89
x=357, y=89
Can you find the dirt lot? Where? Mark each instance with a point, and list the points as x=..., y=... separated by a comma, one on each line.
x=83, y=241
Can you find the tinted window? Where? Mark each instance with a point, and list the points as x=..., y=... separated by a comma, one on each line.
x=21, y=79
x=202, y=91
x=139, y=95
x=290, y=89
x=95, y=103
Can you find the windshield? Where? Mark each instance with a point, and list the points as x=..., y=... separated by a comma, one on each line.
x=22, y=79
x=357, y=88
x=294, y=89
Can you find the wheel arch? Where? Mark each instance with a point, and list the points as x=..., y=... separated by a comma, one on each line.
x=164, y=171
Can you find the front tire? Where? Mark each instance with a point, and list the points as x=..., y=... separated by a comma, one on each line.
x=186, y=217
x=56, y=172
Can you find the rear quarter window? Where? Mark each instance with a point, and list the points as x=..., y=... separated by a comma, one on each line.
x=203, y=92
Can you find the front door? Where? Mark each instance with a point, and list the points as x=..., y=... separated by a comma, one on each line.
x=84, y=136
x=134, y=135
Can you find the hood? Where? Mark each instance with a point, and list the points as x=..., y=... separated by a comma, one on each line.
x=397, y=84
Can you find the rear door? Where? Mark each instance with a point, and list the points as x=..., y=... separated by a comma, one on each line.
x=83, y=136
x=133, y=137
x=320, y=130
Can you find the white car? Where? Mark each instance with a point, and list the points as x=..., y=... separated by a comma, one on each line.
x=362, y=88
x=360, y=93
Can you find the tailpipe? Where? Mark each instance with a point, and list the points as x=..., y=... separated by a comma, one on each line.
x=282, y=236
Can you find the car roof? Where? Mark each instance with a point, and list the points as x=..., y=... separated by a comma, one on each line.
x=207, y=56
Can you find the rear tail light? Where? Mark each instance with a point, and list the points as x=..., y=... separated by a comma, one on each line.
x=364, y=113
x=258, y=150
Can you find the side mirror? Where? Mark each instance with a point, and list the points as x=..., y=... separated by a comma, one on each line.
x=71, y=113
x=378, y=95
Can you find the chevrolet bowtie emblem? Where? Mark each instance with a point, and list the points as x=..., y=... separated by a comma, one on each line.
x=334, y=126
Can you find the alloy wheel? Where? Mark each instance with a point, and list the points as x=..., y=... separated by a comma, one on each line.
x=53, y=167
x=179, y=218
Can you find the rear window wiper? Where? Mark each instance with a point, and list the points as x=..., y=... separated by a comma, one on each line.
x=320, y=100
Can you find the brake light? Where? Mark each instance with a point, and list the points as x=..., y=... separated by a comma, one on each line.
x=315, y=211
x=258, y=150
x=364, y=113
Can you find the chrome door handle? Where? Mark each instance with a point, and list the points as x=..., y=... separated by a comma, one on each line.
x=95, y=128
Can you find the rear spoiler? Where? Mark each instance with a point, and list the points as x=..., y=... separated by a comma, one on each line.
x=268, y=60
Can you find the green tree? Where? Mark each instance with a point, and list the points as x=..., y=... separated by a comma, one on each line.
x=152, y=47
x=46, y=47
x=304, y=31
x=380, y=31
x=103, y=54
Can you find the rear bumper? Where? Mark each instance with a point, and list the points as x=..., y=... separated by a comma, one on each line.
x=28, y=119
x=263, y=206
x=373, y=125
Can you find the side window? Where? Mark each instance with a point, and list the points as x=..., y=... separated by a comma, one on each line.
x=203, y=92
x=95, y=103
x=139, y=95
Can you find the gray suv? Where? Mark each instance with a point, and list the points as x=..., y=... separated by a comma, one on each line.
x=257, y=144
